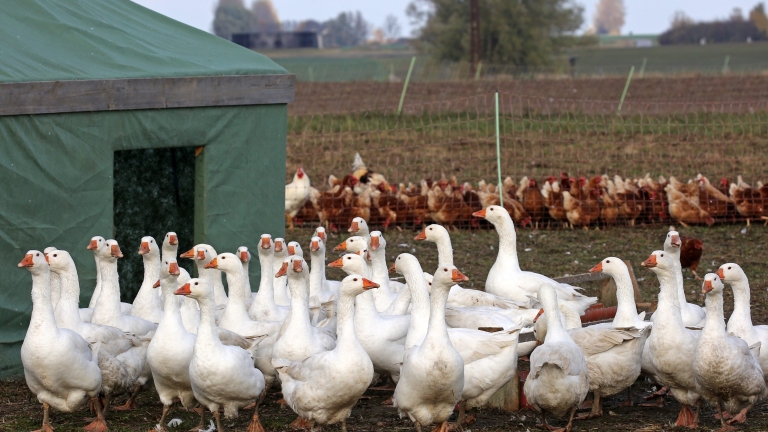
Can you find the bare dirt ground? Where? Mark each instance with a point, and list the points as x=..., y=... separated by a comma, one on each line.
x=554, y=253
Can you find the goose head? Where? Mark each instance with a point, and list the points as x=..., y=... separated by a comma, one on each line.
x=35, y=262
x=297, y=267
x=226, y=262
x=358, y=226
x=355, y=284
x=730, y=273
x=201, y=253
x=244, y=254
x=60, y=261
x=494, y=214
x=353, y=244
x=377, y=242
x=320, y=232
x=434, y=233
x=317, y=246
x=351, y=264
x=148, y=247
x=171, y=240
x=196, y=288
x=111, y=251
x=712, y=284
x=611, y=266
x=168, y=269
x=659, y=262
x=294, y=248
x=446, y=276
x=405, y=262
x=96, y=243
x=48, y=250
x=280, y=250
x=672, y=243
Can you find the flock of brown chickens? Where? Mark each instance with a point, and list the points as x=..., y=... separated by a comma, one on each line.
x=564, y=201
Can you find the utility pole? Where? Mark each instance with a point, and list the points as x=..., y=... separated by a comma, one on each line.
x=474, y=35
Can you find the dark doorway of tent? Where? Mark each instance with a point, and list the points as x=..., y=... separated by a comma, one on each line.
x=154, y=193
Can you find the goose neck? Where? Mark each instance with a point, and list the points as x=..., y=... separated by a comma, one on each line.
x=668, y=310
x=171, y=302
x=206, y=331
x=438, y=329
x=380, y=272
x=507, y=244
x=317, y=273
x=42, y=309
x=741, y=298
x=714, y=324
x=151, y=270
x=626, y=312
x=420, y=306
x=236, y=283
x=109, y=298
x=345, y=322
x=297, y=287
x=444, y=250
x=67, y=312
x=97, y=288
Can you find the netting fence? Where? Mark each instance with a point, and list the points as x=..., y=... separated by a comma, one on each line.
x=676, y=153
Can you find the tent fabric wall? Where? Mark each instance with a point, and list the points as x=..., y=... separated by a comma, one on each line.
x=57, y=172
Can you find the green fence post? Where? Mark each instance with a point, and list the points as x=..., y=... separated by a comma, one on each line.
x=626, y=87
x=477, y=72
x=405, y=85
x=311, y=75
x=725, y=64
x=642, y=68
x=498, y=151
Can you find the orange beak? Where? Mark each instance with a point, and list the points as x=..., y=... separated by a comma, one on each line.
x=183, y=290
x=707, y=287
x=188, y=254
x=422, y=235
x=173, y=240
x=321, y=234
x=278, y=246
x=201, y=254
x=315, y=246
x=115, y=251
x=27, y=261
x=676, y=241
x=720, y=274
x=144, y=248
x=341, y=247
x=291, y=250
x=173, y=269
x=283, y=270
x=156, y=284
x=244, y=256
x=265, y=243
x=392, y=269
x=597, y=269
x=480, y=214
x=458, y=276
x=367, y=284
x=213, y=264
x=339, y=263
x=650, y=262
x=297, y=266
x=46, y=258
x=536, y=318
x=93, y=245
x=354, y=227
x=374, y=242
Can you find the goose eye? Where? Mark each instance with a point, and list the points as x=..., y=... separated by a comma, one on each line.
x=607, y=261
x=729, y=268
x=55, y=255
x=662, y=254
x=195, y=283
x=349, y=258
x=223, y=257
x=151, y=241
x=430, y=229
x=355, y=279
x=37, y=254
x=445, y=270
x=491, y=209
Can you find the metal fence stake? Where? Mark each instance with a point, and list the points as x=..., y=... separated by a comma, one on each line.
x=498, y=151
x=405, y=86
x=626, y=87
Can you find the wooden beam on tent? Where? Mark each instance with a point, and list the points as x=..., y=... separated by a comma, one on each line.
x=48, y=97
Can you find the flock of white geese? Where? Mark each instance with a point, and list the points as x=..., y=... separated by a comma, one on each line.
x=325, y=342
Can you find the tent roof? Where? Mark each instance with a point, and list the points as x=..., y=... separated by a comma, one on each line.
x=49, y=40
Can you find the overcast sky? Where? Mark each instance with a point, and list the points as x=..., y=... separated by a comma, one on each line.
x=643, y=16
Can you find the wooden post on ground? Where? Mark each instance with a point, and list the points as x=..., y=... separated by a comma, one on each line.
x=608, y=291
x=507, y=398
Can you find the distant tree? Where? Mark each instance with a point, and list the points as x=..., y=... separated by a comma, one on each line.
x=347, y=29
x=713, y=32
x=609, y=17
x=520, y=32
x=265, y=15
x=758, y=18
x=231, y=16
x=392, y=27
x=310, y=25
x=736, y=14
x=680, y=20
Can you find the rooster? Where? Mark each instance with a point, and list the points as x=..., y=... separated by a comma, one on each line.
x=690, y=254
x=296, y=195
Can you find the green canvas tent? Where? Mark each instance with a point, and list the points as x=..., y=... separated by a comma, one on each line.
x=80, y=80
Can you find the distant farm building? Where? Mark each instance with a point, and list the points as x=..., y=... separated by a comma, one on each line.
x=277, y=40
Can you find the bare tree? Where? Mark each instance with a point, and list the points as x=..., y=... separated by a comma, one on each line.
x=680, y=19
x=609, y=17
x=392, y=27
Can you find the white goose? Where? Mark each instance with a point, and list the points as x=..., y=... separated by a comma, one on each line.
x=432, y=374
x=318, y=285
x=147, y=303
x=506, y=279
x=726, y=372
x=280, y=285
x=202, y=254
x=693, y=315
x=740, y=322
x=107, y=310
x=359, y=227
x=558, y=380
x=393, y=302
x=55, y=281
x=245, y=258
x=170, y=351
x=382, y=336
x=95, y=245
x=460, y=297
x=330, y=285
x=671, y=346
x=294, y=248
x=324, y=387
x=190, y=314
x=264, y=307
x=236, y=317
x=59, y=366
x=222, y=376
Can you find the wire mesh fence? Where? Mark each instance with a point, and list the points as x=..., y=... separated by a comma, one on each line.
x=565, y=160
